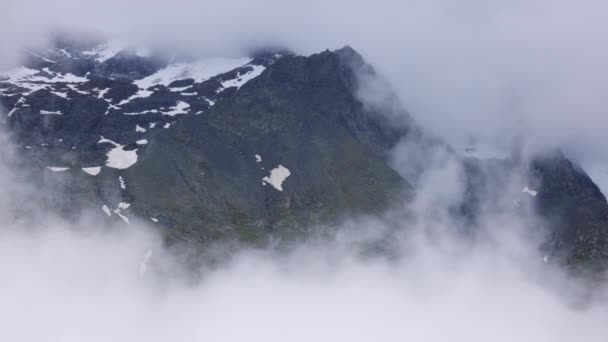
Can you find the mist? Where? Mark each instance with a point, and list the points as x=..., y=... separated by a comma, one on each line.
x=526, y=75
x=409, y=274
x=72, y=287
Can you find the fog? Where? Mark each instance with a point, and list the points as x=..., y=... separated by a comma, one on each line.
x=69, y=287
x=408, y=275
x=523, y=74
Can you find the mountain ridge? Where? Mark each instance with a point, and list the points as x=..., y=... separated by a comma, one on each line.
x=246, y=149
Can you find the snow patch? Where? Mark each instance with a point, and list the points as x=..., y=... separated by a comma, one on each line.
x=34, y=80
x=530, y=192
x=142, y=142
x=118, y=157
x=123, y=205
x=141, y=113
x=240, y=80
x=200, y=71
x=106, y=210
x=46, y=112
x=57, y=168
x=179, y=89
x=102, y=93
x=277, y=177
x=111, y=106
x=20, y=102
x=104, y=140
x=12, y=111
x=258, y=158
x=122, y=217
x=118, y=211
x=211, y=103
x=58, y=78
x=75, y=88
x=141, y=93
x=139, y=129
x=180, y=108
x=106, y=51
x=123, y=185
x=93, y=171
x=67, y=54
x=64, y=95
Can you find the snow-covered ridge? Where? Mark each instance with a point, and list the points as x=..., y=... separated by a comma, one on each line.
x=199, y=71
x=112, y=83
x=241, y=79
x=34, y=80
x=24, y=81
x=103, y=52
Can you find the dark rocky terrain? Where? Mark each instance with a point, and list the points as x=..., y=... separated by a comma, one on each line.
x=246, y=149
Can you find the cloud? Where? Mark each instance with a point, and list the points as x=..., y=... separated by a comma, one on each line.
x=62, y=284
x=519, y=73
x=526, y=73
x=408, y=275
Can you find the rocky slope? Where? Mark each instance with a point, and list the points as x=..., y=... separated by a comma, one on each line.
x=242, y=148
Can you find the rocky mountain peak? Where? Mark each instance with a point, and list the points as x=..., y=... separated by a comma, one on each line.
x=256, y=149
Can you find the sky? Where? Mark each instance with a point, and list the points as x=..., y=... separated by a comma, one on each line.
x=520, y=73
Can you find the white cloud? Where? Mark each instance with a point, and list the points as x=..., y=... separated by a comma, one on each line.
x=69, y=286
x=74, y=281
x=499, y=71
x=503, y=72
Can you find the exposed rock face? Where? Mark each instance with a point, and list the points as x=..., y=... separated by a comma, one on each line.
x=245, y=148
x=303, y=123
x=210, y=149
x=573, y=209
x=576, y=209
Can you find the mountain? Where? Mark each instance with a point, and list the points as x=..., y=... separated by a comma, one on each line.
x=250, y=149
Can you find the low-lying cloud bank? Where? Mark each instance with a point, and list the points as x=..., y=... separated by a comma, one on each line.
x=410, y=275
x=64, y=285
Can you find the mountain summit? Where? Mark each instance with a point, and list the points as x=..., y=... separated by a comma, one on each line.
x=247, y=149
